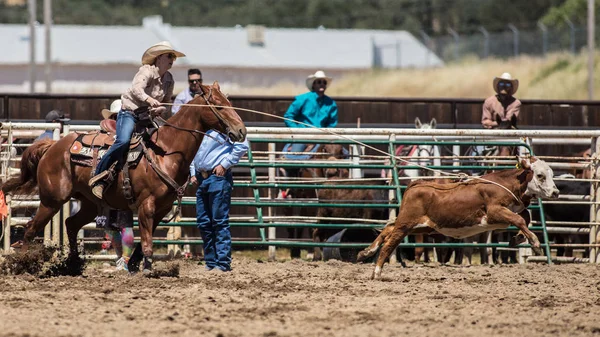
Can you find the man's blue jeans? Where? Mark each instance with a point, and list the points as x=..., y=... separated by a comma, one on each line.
x=125, y=126
x=213, y=199
x=296, y=147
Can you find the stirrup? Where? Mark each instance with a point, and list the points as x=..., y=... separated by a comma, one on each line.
x=98, y=177
x=98, y=190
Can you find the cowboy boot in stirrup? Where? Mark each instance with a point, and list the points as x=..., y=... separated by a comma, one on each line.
x=98, y=189
x=100, y=176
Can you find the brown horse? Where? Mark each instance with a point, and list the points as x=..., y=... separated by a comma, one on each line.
x=48, y=165
x=324, y=152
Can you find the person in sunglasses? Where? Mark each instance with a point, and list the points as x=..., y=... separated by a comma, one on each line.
x=502, y=106
x=195, y=81
x=152, y=85
x=313, y=108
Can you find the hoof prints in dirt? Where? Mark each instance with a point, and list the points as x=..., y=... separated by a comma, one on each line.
x=42, y=262
x=171, y=270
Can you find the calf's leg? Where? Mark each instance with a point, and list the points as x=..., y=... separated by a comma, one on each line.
x=390, y=243
x=374, y=247
x=501, y=215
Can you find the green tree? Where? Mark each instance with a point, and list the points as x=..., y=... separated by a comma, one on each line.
x=575, y=10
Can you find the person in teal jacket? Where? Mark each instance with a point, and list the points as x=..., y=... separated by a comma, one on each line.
x=313, y=108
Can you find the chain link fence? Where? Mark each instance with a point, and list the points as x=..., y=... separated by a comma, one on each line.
x=512, y=42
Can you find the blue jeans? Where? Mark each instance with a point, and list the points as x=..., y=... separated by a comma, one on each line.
x=296, y=147
x=125, y=126
x=213, y=199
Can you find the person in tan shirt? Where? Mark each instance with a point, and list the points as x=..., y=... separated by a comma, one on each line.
x=503, y=106
x=152, y=85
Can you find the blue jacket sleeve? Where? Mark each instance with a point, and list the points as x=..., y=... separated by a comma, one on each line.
x=333, y=116
x=238, y=151
x=292, y=112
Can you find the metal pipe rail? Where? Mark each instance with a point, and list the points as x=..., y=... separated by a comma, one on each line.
x=380, y=137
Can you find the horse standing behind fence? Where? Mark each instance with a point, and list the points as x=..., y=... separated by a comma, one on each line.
x=48, y=165
x=329, y=196
x=323, y=152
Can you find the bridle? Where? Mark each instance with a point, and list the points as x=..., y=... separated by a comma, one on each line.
x=214, y=110
x=427, y=150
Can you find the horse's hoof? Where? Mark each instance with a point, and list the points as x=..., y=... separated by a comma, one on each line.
x=537, y=251
x=146, y=271
x=147, y=264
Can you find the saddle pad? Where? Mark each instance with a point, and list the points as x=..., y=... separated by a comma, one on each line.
x=82, y=154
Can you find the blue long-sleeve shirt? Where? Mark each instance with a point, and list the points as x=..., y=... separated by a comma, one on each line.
x=311, y=109
x=182, y=98
x=213, y=153
x=48, y=134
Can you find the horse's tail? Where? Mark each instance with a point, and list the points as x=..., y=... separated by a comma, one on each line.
x=26, y=182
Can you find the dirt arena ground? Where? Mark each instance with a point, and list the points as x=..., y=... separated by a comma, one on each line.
x=299, y=298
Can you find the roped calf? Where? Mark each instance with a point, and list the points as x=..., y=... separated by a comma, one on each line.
x=463, y=209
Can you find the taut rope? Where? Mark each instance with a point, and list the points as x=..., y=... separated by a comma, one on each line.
x=460, y=176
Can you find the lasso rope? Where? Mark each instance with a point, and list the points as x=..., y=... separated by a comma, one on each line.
x=463, y=177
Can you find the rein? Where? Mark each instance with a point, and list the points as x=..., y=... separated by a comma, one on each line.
x=167, y=180
x=163, y=122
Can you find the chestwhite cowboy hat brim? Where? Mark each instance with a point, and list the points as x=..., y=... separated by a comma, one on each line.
x=115, y=107
x=318, y=75
x=107, y=113
x=507, y=78
x=158, y=49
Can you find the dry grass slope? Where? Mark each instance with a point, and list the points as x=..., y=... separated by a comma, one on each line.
x=558, y=76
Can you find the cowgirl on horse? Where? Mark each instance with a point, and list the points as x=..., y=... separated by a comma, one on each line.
x=152, y=85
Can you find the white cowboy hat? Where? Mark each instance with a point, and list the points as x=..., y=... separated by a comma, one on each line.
x=115, y=107
x=506, y=77
x=158, y=49
x=319, y=74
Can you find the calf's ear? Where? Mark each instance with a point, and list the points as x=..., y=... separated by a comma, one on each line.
x=523, y=163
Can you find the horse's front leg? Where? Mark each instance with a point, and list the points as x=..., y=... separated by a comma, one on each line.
x=146, y=214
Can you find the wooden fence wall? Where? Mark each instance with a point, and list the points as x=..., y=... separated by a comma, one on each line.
x=372, y=111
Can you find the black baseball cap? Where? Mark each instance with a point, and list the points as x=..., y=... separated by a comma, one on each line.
x=57, y=115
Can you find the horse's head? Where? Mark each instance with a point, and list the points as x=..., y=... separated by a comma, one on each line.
x=333, y=152
x=425, y=152
x=220, y=115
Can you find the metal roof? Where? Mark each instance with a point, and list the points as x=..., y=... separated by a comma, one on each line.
x=221, y=47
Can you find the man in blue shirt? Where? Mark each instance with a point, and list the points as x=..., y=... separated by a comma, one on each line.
x=312, y=108
x=54, y=116
x=211, y=169
x=194, y=81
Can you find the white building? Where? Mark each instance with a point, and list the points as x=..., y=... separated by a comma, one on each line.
x=103, y=59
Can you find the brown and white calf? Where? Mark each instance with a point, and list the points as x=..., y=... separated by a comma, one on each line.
x=463, y=209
